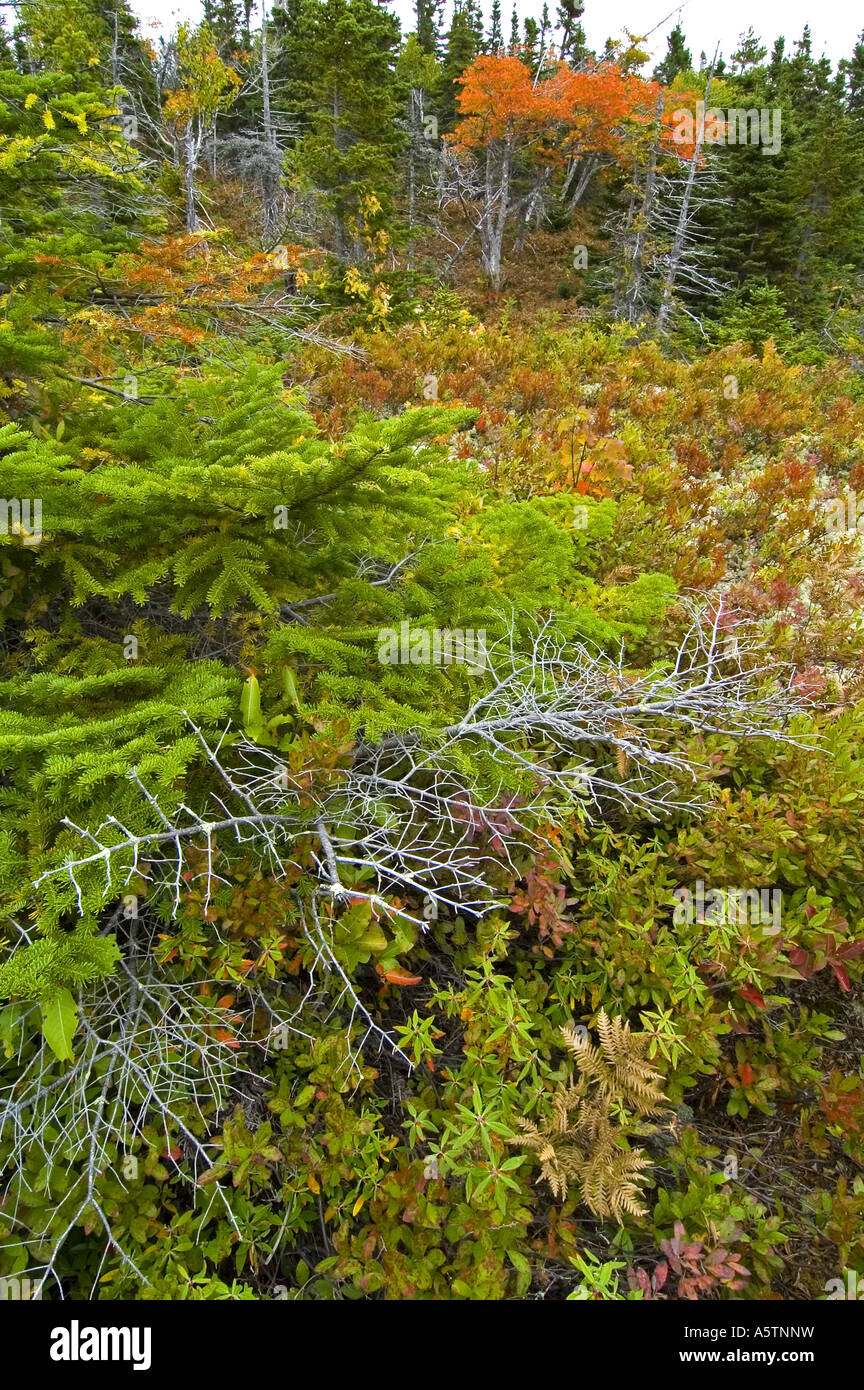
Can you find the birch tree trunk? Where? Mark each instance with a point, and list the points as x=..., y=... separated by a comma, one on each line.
x=190, y=158
x=587, y=168
x=115, y=52
x=496, y=206
x=531, y=209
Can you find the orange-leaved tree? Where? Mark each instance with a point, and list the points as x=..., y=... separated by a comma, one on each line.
x=515, y=128
x=506, y=118
x=600, y=108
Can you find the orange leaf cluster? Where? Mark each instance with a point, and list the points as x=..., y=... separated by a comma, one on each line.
x=566, y=114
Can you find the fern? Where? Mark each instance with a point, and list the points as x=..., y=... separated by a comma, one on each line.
x=585, y=1139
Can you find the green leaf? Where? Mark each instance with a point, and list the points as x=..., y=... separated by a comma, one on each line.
x=290, y=687
x=59, y=1021
x=10, y=1026
x=250, y=703
x=373, y=938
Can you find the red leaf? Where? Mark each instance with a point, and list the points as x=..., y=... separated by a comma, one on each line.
x=752, y=995
x=398, y=977
x=840, y=972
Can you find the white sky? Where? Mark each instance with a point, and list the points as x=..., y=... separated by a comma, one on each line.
x=834, y=24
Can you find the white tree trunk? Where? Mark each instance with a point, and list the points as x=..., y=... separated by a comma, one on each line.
x=269, y=182
x=190, y=159
x=684, y=216
x=496, y=208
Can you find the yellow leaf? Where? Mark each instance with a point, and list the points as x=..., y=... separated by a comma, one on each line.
x=373, y=939
x=314, y=1184
x=357, y=1205
x=329, y=1213
x=78, y=119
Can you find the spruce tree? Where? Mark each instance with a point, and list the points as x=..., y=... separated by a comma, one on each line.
x=222, y=18
x=464, y=42
x=495, y=38
x=748, y=54
x=677, y=57
x=514, y=32
x=569, y=13
x=341, y=57
x=853, y=78
x=803, y=225
x=428, y=25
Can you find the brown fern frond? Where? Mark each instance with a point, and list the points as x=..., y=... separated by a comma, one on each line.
x=615, y=1040
x=585, y=1138
x=574, y=1040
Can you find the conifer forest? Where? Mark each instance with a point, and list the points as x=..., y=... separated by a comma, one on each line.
x=431, y=657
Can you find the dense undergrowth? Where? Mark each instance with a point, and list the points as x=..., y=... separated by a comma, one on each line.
x=333, y=970
x=271, y=1138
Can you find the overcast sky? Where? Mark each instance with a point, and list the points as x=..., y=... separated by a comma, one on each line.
x=834, y=24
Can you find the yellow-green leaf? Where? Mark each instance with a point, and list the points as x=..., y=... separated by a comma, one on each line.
x=290, y=687
x=59, y=1021
x=250, y=703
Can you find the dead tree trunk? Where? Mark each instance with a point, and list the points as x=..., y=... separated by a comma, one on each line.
x=268, y=183
x=684, y=215
x=633, y=293
x=190, y=159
